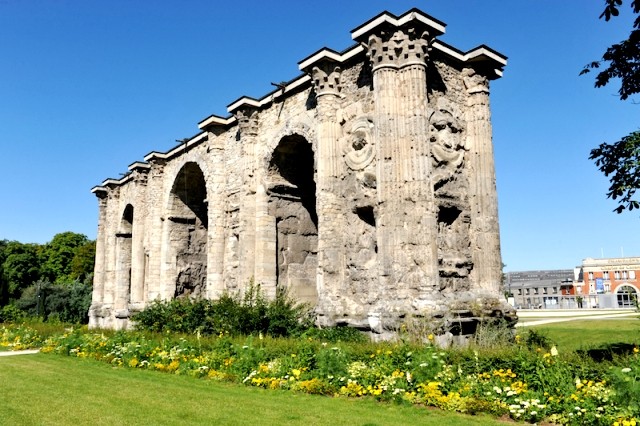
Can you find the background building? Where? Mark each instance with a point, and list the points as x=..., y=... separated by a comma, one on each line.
x=539, y=289
x=597, y=283
x=610, y=276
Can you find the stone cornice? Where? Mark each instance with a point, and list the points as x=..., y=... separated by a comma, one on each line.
x=215, y=120
x=184, y=146
x=288, y=87
x=411, y=17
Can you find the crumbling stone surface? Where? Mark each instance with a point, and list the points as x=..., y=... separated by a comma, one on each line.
x=366, y=187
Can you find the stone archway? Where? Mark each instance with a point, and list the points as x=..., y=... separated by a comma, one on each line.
x=186, y=233
x=627, y=296
x=292, y=202
x=124, y=251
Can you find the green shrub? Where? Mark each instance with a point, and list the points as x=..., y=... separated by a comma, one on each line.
x=229, y=315
x=336, y=334
x=67, y=302
x=11, y=314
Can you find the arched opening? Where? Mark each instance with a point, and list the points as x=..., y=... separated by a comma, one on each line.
x=124, y=249
x=627, y=296
x=292, y=201
x=187, y=231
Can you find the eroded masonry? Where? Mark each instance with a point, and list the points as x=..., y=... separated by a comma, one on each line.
x=365, y=187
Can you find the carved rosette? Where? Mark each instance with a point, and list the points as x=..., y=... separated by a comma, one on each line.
x=357, y=147
x=447, y=144
x=398, y=48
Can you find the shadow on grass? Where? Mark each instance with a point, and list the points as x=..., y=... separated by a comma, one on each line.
x=608, y=351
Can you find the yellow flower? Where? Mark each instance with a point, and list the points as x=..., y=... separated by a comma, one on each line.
x=430, y=337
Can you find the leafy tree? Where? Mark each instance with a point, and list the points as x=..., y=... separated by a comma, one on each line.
x=58, y=256
x=83, y=261
x=621, y=159
x=4, y=290
x=623, y=58
x=20, y=267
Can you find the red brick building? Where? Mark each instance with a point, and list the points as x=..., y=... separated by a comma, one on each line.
x=619, y=276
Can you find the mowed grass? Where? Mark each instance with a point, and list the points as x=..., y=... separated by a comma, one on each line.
x=50, y=389
x=584, y=334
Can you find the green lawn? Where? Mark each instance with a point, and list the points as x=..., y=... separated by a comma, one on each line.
x=582, y=334
x=49, y=389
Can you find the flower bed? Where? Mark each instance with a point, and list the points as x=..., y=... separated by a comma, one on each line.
x=526, y=384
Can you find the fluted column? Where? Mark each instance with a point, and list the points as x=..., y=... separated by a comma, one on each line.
x=155, y=228
x=330, y=205
x=216, y=215
x=487, y=272
x=265, y=244
x=248, y=132
x=406, y=224
x=137, y=260
x=137, y=248
x=97, y=296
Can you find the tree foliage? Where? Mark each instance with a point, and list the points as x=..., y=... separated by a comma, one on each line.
x=622, y=59
x=620, y=160
x=52, y=279
x=58, y=256
x=20, y=267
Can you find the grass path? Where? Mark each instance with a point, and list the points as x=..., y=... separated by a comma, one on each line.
x=53, y=390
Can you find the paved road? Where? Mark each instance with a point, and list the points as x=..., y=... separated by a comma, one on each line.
x=562, y=319
x=25, y=352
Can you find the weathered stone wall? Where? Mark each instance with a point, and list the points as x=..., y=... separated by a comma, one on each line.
x=366, y=187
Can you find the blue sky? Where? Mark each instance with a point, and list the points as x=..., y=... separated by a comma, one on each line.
x=88, y=87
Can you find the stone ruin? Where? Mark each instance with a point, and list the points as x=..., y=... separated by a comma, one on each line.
x=365, y=186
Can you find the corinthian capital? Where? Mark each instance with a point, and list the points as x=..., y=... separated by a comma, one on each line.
x=247, y=121
x=397, y=48
x=326, y=78
x=474, y=83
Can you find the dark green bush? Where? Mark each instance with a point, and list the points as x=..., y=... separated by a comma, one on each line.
x=11, y=314
x=232, y=315
x=67, y=303
x=336, y=334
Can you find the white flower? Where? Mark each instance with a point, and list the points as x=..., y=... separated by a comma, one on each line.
x=626, y=370
x=554, y=351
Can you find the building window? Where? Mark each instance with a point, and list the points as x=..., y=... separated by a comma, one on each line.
x=519, y=292
x=632, y=275
x=536, y=290
x=605, y=275
x=625, y=275
x=544, y=290
x=590, y=276
x=555, y=290
x=617, y=275
x=528, y=291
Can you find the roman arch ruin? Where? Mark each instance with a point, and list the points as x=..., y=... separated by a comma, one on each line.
x=365, y=187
